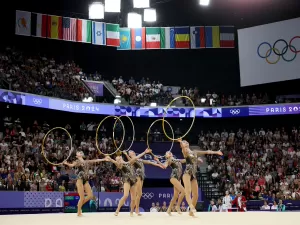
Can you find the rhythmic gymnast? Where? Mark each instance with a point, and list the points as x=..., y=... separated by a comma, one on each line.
x=82, y=183
x=175, y=179
x=189, y=176
x=139, y=170
x=129, y=179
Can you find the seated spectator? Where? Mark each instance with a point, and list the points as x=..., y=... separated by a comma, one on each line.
x=153, y=208
x=281, y=206
x=265, y=206
x=212, y=207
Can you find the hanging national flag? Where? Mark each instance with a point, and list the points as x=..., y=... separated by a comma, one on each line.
x=227, y=37
x=212, y=37
x=125, y=39
x=99, y=33
x=113, y=35
x=197, y=37
x=167, y=38
x=153, y=38
x=138, y=38
x=39, y=25
x=69, y=29
x=182, y=37
x=55, y=28
x=23, y=23
x=84, y=31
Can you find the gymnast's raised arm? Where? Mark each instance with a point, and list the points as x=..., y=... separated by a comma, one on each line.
x=132, y=160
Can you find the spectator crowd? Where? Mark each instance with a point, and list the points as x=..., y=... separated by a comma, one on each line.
x=41, y=75
x=144, y=91
x=263, y=164
x=23, y=167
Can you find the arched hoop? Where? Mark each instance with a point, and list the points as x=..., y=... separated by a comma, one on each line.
x=43, y=147
x=148, y=132
x=133, y=133
x=165, y=112
x=97, y=144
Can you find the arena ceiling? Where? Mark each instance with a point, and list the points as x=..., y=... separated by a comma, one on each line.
x=240, y=13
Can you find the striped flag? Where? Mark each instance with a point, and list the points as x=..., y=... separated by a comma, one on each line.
x=197, y=37
x=84, y=31
x=227, y=37
x=182, y=37
x=55, y=30
x=153, y=38
x=38, y=25
x=113, y=35
x=212, y=37
x=125, y=39
x=138, y=38
x=69, y=29
x=167, y=38
x=99, y=33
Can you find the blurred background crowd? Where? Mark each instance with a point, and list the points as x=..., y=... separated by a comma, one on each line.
x=263, y=163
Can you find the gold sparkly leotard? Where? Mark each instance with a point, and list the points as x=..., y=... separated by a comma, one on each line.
x=139, y=168
x=128, y=175
x=191, y=165
x=176, y=166
x=82, y=170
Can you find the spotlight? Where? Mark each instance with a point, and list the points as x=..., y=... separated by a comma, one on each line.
x=89, y=99
x=149, y=15
x=96, y=10
x=117, y=101
x=112, y=5
x=141, y=3
x=134, y=20
x=204, y=2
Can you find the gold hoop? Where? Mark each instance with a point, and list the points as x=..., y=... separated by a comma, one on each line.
x=165, y=112
x=133, y=133
x=149, y=129
x=97, y=146
x=43, y=148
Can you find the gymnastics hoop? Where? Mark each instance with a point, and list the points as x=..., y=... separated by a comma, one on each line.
x=97, y=145
x=149, y=129
x=133, y=133
x=43, y=148
x=165, y=112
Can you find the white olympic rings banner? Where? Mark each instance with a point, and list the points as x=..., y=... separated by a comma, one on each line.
x=269, y=53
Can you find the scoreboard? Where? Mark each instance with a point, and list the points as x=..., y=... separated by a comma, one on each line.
x=71, y=201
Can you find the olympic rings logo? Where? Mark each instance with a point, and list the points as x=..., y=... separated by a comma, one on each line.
x=37, y=101
x=148, y=195
x=276, y=51
x=235, y=111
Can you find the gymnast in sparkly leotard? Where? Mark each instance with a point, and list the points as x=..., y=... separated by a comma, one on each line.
x=82, y=167
x=129, y=179
x=175, y=179
x=139, y=170
x=189, y=175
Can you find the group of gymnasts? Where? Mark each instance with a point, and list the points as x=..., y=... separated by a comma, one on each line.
x=133, y=175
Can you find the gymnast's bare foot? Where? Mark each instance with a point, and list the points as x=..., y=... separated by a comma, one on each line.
x=178, y=210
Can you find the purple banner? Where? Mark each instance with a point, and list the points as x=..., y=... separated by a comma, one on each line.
x=154, y=195
x=135, y=111
x=279, y=109
x=96, y=87
x=12, y=199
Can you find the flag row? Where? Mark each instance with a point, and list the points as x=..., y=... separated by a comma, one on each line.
x=99, y=33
